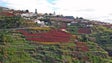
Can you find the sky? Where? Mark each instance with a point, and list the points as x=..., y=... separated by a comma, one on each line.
x=100, y=10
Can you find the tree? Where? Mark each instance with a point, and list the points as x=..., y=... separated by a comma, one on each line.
x=84, y=38
x=45, y=14
x=27, y=11
x=50, y=14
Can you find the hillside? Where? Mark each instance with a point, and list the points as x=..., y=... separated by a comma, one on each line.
x=3, y=8
x=15, y=48
x=53, y=39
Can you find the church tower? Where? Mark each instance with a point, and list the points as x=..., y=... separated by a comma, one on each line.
x=35, y=11
x=54, y=13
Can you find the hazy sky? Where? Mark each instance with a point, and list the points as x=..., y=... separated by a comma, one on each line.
x=89, y=9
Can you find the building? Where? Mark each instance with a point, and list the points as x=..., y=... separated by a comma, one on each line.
x=8, y=14
x=28, y=15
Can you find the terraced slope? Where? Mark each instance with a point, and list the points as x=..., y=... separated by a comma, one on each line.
x=16, y=49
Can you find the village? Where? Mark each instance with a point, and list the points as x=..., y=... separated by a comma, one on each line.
x=33, y=37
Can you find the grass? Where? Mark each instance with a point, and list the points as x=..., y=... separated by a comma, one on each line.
x=16, y=45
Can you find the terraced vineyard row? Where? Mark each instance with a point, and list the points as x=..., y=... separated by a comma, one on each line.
x=16, y=49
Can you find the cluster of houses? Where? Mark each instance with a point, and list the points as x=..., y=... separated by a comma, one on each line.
x=52, y=19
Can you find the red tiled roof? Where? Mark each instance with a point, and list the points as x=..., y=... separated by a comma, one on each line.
x=6, y=14
x=62, y=19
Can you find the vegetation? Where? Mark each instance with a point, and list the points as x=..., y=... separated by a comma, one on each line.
x=17, y=49
x=84, y=48
x=9, y=22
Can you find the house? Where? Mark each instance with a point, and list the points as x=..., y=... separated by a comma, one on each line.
x=28, y=15
x=6, y=14
x=63, y=19
x=40, y=23
x=60, y=22
x=89, y=25
x=69, y=17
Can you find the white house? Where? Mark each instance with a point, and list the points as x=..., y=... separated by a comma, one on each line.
x=28, y=15
x=41, y=23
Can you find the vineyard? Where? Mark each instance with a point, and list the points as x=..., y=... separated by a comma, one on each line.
x=17, y=48
x=51, y=36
